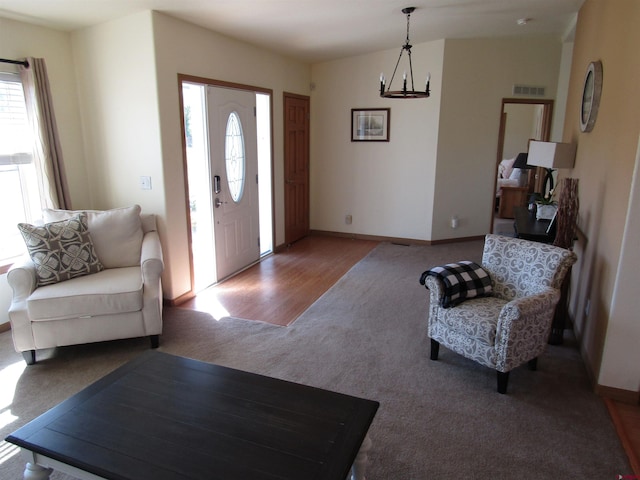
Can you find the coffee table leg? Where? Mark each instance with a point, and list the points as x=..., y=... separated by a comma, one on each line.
x=359, y=467
x=33, y=471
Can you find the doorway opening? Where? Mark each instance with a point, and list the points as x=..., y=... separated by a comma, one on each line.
x=521, y=120
x=228, y=177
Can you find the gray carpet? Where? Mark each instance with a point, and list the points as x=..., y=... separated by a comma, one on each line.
x=366, y=337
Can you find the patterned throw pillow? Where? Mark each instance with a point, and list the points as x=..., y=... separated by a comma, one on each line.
x=61, y=250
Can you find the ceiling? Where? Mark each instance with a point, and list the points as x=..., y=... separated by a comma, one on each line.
x=319, y=30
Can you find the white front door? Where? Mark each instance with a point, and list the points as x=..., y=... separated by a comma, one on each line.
x=234, y=171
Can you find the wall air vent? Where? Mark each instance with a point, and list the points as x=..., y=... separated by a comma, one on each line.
x=528, y=90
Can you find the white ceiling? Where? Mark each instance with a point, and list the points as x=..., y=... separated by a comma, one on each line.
x=319, y=30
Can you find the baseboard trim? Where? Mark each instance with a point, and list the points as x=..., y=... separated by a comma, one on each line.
x=175, y=302
x=5, y=327
x=397, y=240
x=457, y=240
x=618, y=394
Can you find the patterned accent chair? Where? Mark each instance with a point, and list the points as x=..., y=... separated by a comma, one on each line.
x=511, y=327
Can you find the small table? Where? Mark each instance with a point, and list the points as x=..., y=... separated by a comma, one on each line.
x=529, y=228
x=166, y=417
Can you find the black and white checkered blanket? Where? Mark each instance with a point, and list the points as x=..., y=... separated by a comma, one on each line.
x=461, y=280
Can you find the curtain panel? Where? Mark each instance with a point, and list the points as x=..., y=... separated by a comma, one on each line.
x=48, y=158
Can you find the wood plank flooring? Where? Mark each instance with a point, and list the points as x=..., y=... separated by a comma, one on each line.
x=626, y=418
x=282, y=286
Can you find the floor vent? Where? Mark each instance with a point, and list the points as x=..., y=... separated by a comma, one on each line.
x=528, y=90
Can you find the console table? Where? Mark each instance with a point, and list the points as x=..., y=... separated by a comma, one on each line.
x=528, y=227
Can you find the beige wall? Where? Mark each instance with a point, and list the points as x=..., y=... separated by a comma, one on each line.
x=184, y=48
x=523, y=122
x=605, y=160
x=478, y=74
x=128, y=73
x=410, y=187
x=387, y=187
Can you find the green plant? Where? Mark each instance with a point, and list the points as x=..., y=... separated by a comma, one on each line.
x=544, y=200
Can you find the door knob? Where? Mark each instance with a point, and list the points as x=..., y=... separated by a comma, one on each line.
x=218, y=203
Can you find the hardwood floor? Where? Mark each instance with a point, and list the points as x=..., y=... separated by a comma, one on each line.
x=282, y=286
x=626, y=418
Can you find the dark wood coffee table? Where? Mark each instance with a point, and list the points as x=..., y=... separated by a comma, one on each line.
x=165, y=417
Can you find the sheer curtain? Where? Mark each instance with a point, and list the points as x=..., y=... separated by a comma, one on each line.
x=52, y=180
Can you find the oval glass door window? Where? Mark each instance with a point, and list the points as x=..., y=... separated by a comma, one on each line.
x=234, y=156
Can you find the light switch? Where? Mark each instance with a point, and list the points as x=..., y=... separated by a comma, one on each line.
x=145, y=183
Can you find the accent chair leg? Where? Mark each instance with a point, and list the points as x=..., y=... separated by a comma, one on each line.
x=533, y=364
x=29, y=356
x=155, y=341
x=503, y=380
x=435, y=349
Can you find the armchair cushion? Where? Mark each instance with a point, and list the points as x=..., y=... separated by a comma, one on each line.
x=112, y=291
x=461, y=280
x=61, y=250
x=117, y=233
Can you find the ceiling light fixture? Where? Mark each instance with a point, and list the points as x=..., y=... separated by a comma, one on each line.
x=404, y=93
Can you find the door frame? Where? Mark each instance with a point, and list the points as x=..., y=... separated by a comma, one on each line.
x=217, y=83
x=547, y=116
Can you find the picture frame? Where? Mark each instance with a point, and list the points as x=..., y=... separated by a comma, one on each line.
x=370, y=124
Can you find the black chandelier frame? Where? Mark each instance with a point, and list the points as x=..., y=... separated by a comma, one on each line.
x=404, y=93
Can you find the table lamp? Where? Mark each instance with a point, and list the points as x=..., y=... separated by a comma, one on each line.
x=521, y=163
x=551, y=155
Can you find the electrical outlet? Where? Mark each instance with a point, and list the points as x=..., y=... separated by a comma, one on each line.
x=348, y=219
x=145, y=183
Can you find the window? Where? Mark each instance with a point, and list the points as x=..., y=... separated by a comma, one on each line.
x=19, y=193
x=234, y=157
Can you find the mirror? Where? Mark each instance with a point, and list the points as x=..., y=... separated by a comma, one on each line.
x=521, y=120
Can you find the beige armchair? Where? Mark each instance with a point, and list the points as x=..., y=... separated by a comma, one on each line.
x=511, y=325
x=116, y=295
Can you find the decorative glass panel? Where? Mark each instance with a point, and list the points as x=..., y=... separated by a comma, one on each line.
x=234, y=156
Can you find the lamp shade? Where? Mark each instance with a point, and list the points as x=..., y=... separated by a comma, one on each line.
x=552, y=154
x=521, y=161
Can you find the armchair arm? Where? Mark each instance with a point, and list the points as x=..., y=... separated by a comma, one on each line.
x=436, y=293
x=526, y=323
x=152, y=265
x=436, y=289
x=21, y=277
x=151, y=260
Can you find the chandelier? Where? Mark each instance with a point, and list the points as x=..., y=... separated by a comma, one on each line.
x=404, y=93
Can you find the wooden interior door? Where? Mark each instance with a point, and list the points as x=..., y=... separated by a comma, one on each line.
x=296, y=167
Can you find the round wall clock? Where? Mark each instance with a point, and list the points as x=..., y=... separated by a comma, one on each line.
x=591, y=92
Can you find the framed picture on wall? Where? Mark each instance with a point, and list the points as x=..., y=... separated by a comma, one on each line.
x=370, y=124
